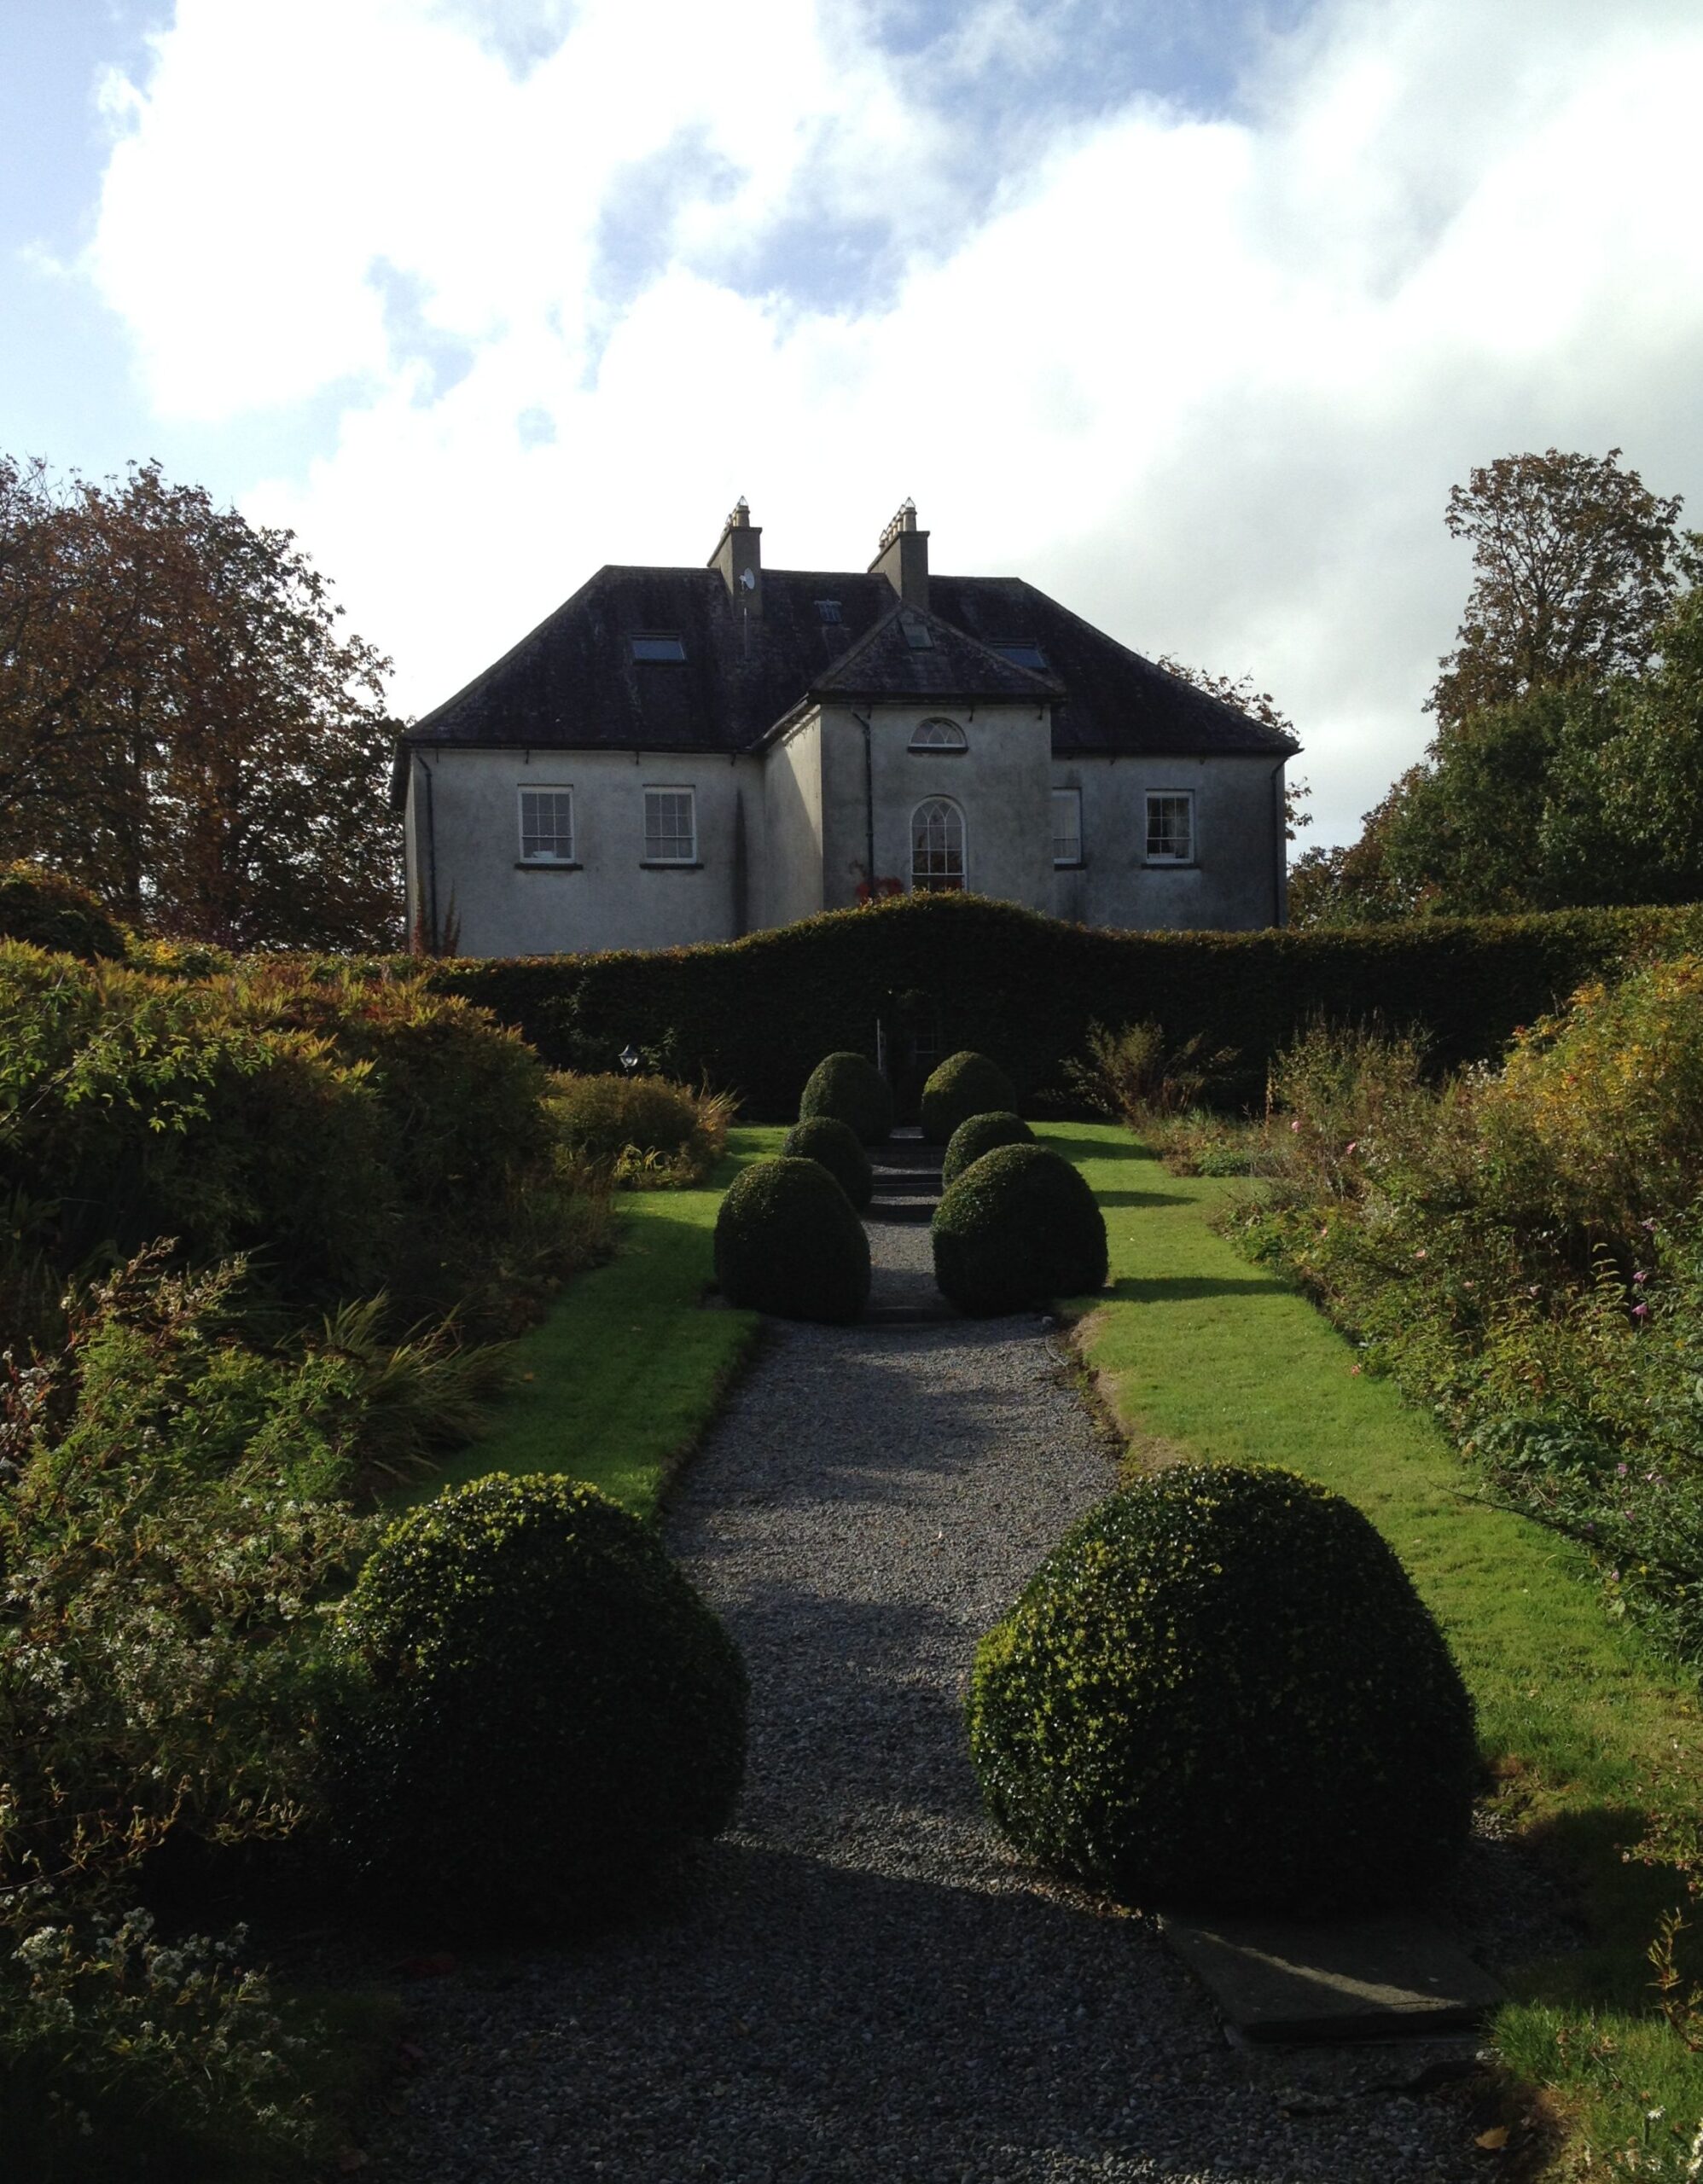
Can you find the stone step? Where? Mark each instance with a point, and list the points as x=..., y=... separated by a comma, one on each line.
x=908, y=1316
x=918, y=1210
x=907, y=1182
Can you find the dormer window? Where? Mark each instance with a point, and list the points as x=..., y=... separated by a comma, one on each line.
x=1023, y=653
x=658, y=645
x=939, y=735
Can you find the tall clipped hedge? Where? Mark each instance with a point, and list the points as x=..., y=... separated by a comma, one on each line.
x=757, y=1015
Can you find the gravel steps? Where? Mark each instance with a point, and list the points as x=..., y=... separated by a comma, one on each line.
x=861, y=1982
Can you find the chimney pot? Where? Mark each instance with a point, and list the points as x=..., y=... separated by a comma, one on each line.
x=740, y=558
x=903, y=556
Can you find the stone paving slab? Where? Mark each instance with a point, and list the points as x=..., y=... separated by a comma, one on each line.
x=1376, y=1979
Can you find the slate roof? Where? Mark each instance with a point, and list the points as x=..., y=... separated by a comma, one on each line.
x=573, y=683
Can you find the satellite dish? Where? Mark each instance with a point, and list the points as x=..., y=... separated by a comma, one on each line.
x=747, y=578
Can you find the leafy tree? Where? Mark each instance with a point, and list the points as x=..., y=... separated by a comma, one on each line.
x=1575, y=566
x=1567, y=766
x=182, y=727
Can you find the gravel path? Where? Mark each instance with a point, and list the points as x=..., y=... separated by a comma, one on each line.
x=862, y=1982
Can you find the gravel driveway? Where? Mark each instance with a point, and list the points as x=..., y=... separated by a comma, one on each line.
x=862, y=1982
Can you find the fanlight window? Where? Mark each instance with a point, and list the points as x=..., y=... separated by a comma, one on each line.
x=939, y=735
x=936, y=847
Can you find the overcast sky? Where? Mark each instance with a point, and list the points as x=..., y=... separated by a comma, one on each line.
x=1189, y=313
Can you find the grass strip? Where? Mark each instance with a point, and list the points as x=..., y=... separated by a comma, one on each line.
x=1197, y=1353
x=620, y=1379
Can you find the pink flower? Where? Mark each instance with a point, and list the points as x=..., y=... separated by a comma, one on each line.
x=1641, y=1277
x=1352, y=1145
x=1295, y=1126
x=1641, y=1312
x=1421, y=1253
x=1620, y=1471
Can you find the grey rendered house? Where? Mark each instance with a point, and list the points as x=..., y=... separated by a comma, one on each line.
x=681, y=754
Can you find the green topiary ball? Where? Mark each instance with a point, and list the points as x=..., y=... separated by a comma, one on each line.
x=851, y=1090
x=964, y=1085
x=788, y=1242
x=980, y=1134
x=541, y=1709
x=1222, y=1689
x=836, y=1147
x=1019, y=1227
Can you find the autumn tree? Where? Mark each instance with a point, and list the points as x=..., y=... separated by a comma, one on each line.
x=1575, y=563
x=184, y=726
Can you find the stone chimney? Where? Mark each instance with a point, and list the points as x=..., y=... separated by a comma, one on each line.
x=903, y=558
x=740, y=558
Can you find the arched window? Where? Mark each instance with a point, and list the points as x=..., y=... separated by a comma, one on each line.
x=938, y=735
x=936, y=847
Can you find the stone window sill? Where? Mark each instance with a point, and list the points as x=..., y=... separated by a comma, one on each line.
x=1070, y=864
x=547, y=864
x=668, y=864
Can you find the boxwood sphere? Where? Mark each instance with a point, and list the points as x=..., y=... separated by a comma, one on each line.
x=1222, y=1689
x=836, y=1147
x=853, y=1091
x=788, y=1242
x=1018, y=1227
x=540, y=1709
x=980, y=1134
x=964, y=1085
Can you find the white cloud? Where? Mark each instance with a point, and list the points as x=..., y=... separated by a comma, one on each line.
x=1207, y=380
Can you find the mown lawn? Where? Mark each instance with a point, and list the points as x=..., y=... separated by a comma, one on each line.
x=1198, y=1353
x=620, y=1379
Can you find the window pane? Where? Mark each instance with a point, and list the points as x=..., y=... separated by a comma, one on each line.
x=938, y=735
x=546, y=824
x=937, y=846
x=1067, y=826
x=658, y=647
x=1170, y=828
x=670, y=836
x=1028, y=653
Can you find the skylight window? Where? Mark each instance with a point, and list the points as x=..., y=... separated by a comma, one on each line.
x=827, y=609
x=1024, y=652
x=917, y=635
x=658, y=646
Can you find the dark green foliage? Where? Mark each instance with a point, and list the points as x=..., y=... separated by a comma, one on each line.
x=836, y=1147
x=788, y=1242
x=351, y=1129
x=50, y=911
x=544, y=1709
x=965, y=1084
x=175, y=1507
x=1222, y=1689
x=122, y=2055
x=980, y=1134
x=759, y=1012
x=849, y=1089
x=1019, y=1227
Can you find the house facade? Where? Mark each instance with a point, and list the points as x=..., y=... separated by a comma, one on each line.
x=679, y=755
